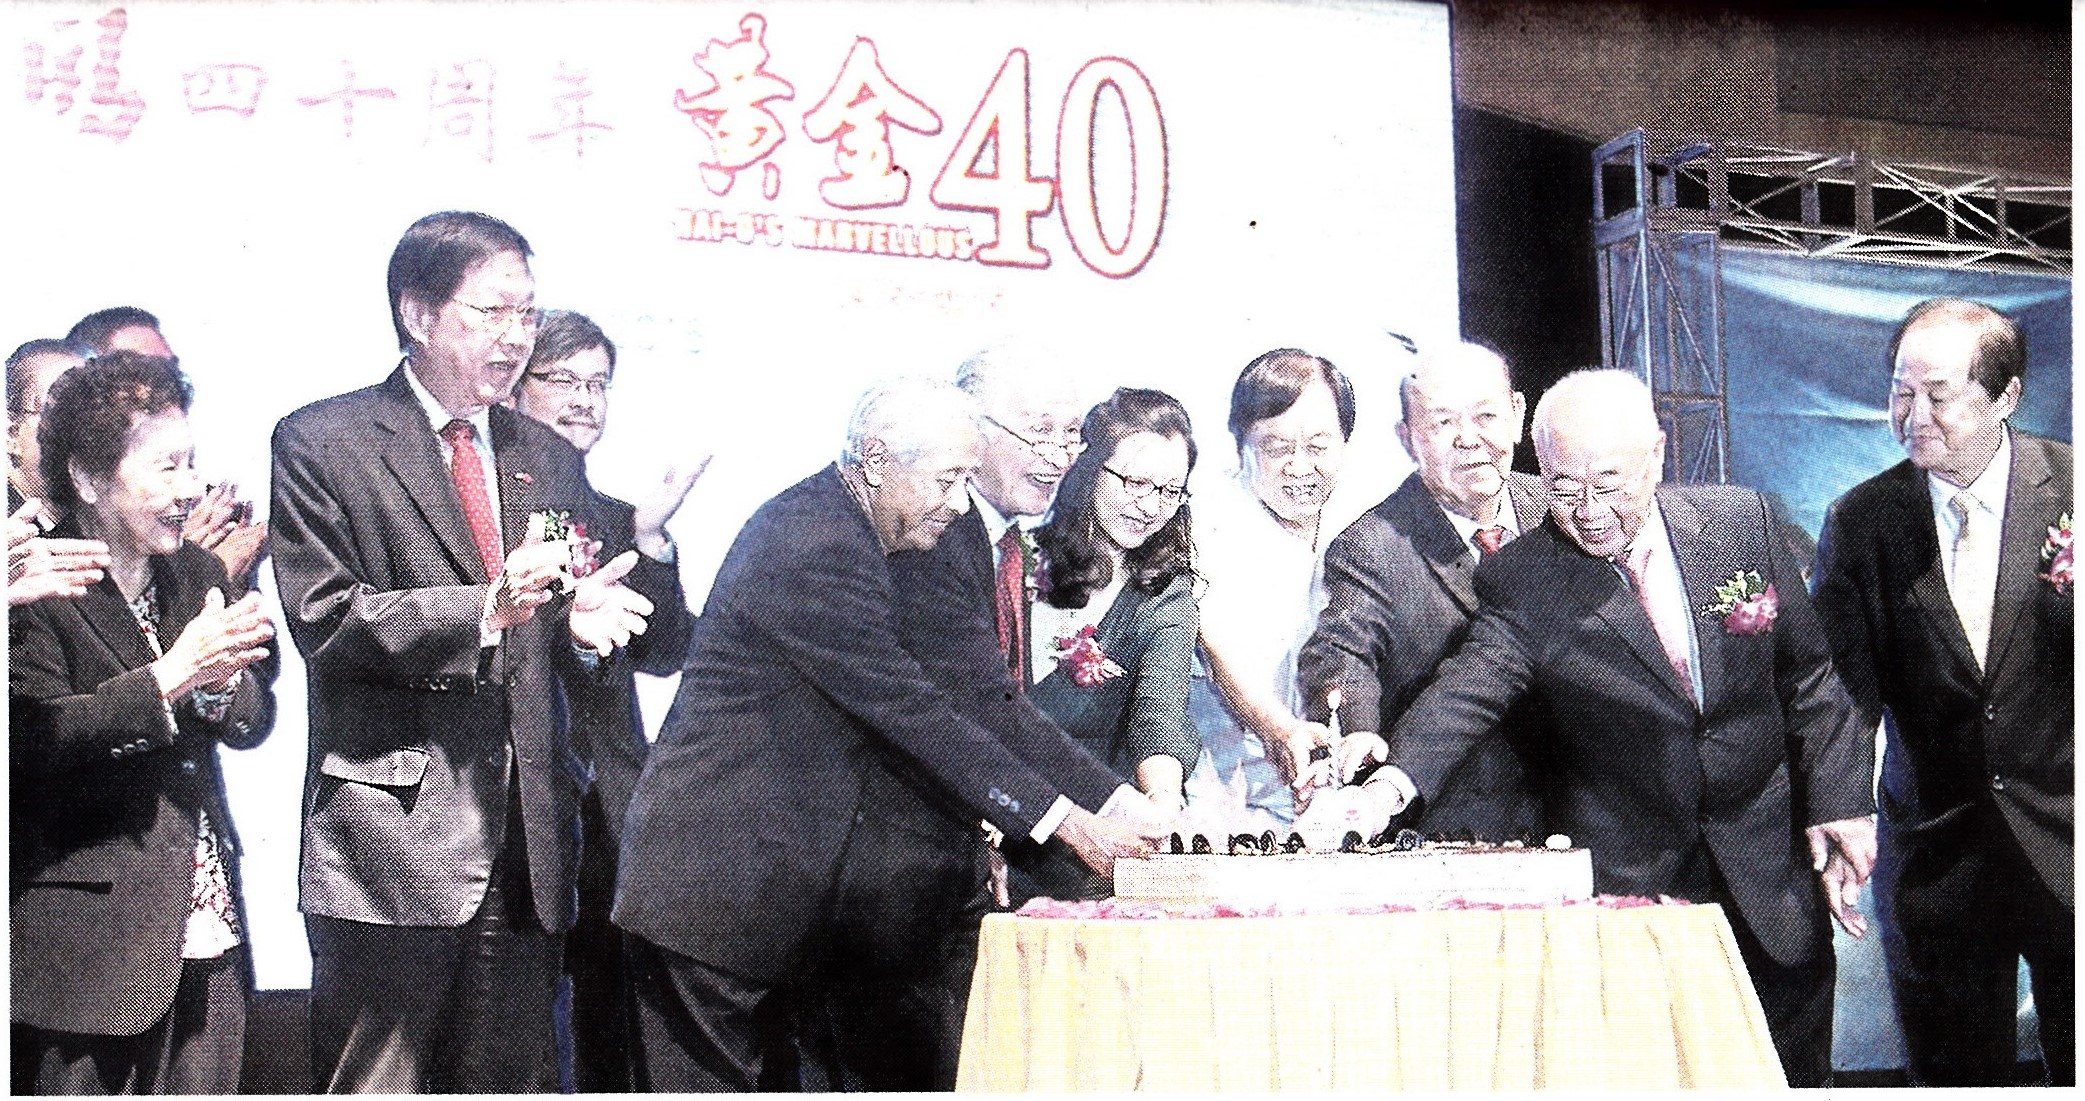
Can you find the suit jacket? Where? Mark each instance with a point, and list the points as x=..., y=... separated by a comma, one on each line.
x=606, y=727
x=801, y=715
x=948, y=621
x=105, y=795
x=1399, y=599
x=1645, y=780
x=1142, y=713
x=415, y=735
x=1958, y=737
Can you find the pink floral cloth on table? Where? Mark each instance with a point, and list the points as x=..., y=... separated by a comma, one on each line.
x=1109, y=909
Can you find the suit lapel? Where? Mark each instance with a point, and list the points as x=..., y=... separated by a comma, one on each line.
x=108, y=616
x=1921, y=543
x=410, y=450
x=1435, y=540
x=1530, y=500
x=520, y=495
x=1597, y=582
x=1702, y=556
x=2030, y=508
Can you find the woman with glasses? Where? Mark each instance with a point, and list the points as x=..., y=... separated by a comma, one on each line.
x=1262, y=539
x=126, y=933
x=1112, y=633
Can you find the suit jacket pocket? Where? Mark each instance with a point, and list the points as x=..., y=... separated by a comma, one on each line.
x=397, y=768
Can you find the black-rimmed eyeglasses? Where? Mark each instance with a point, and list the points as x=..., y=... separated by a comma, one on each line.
x=1141, y=488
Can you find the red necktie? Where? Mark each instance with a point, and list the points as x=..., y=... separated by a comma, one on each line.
x=1489, y=540
x=1672, y=636
x=1012, y=600
x=469, y=475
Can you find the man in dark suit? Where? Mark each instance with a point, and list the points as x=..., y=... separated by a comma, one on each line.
x=1931, y=584
x=1695, y=749
x=440, y=802
x=1397, y=582
x=566, y=388
x=808, y=819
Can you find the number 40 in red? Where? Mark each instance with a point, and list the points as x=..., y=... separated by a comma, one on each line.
x=1015, y=196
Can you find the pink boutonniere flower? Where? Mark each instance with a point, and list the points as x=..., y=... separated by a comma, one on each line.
x=1745, y=605
x=558, y=526
x=2056, y=556
x=524, y=477
x=1081, y=658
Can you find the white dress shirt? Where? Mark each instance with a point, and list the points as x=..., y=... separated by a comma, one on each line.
x=1466, y=529
x=1989, y=489
x=481, y=440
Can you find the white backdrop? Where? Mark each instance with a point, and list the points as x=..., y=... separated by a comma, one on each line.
x=1261, y=175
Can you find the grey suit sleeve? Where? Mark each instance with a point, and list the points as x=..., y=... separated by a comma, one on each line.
x=1474, y=690
x=1837, y=745
x=1844, y=583
x=841, y=636
x=345, y=627
x=1158, y=723
x=1347, y=649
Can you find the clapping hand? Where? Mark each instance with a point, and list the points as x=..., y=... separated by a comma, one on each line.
x=215, y=647
x=531, y=577
x=38, y=567
x=1842, y=853
x=223, y=525
x=656, y=511
x=605, y=612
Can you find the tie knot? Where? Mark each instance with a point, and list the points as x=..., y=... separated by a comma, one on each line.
x=1010, y=543
x=1964, y=503
x=1489, y=540
x=1635, y=561
x=457, y=430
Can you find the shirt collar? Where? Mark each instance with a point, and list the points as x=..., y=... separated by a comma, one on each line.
x=995, y=523
x=437, y=417
x=1466, y=529
x=1989, y=489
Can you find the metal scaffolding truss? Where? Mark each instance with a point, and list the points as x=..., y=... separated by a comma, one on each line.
x=1663, y=211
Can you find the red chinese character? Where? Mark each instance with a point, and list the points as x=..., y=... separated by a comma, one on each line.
x=346, y=97
x=466, y=97
x=128, y=107
x=857, y=113
x=741, y=131
x=66, y=74
x=571, y=110
x=224, y=87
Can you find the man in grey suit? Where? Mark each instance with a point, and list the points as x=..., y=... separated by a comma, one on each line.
x=441, y=794
x=1399, y=598
x=1954, y=626
x=808, y=820
x=1705, y=747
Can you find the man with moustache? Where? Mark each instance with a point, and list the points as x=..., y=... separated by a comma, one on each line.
x=1951, y=618
x=440, y=800
x=1695, y=751
x=806, y=827
x=565, y=387
x=1399, y=596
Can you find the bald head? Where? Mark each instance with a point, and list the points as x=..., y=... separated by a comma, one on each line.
x=1597, y=436
x=1461, y=420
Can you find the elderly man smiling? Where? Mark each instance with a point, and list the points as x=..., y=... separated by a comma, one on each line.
x=1699, y=728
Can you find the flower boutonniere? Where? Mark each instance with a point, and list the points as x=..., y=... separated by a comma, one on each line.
x=557, y=526
x=1745, y=606
x=1031, y=564
x=2056, y=556
x=1080, y=658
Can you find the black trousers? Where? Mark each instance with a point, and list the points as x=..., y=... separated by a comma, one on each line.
x=399, y=1009
x=595, y=1008
x=1797, y=999
x=875, y=1000
x=195, y=1048
x=1957, y=913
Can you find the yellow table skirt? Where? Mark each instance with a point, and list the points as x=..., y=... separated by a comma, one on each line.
x=1577, y=997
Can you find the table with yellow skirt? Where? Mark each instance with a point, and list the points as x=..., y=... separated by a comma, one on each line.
x=1563, y=997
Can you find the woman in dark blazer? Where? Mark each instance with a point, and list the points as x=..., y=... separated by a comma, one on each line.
x=1113, y=628
x=126, y=936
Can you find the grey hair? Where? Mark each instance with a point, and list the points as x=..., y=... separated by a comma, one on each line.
x=1463, y=355
x=906, y=414
x=990, y=366
x=1621, y=397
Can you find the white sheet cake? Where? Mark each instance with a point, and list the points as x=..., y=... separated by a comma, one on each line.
x=1428, y=877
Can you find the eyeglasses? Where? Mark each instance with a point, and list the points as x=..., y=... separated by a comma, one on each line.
x=571, y=384
x=1071, y=445
x=1602, y=495
x=498, y=319
x=1141, y=488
